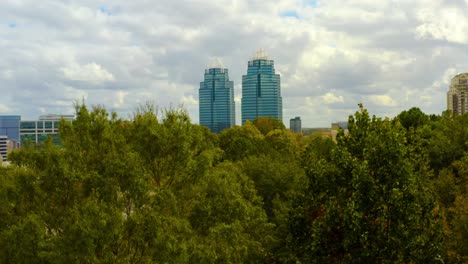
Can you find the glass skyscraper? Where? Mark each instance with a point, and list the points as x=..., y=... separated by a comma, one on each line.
x=261, y=90
x=216, y=98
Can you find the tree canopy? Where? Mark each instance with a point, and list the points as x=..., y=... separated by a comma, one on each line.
x=158, y=189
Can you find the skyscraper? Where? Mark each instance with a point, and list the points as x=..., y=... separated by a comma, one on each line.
x=457, y=96
x=295, y=125
x=216, y=98
x=261, y=91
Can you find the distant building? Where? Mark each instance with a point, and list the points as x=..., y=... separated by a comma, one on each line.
x=342, y=124
x=37, y=131
x=457, y=96
x=57, y=117
x=336, y=126
x=3, y=147
x=216, y=98
x=295, y=124
x=11, y=145
x=10, y=127
x=261, y=89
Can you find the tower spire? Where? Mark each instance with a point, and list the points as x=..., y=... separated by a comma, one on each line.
x=215, y=63
x=260, y=54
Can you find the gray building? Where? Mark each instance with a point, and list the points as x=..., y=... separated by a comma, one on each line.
x=457, y=96
x=295, y=124
x=3, y=147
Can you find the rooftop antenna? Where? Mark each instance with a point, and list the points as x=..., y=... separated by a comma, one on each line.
x=260, y=54
x=215, y=63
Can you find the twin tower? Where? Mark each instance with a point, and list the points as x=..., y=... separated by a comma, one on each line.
x=261, y=94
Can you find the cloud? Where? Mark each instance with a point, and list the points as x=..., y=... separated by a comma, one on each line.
x=450, y=24
x=4, y=108
x=330, y=98
x=90, y=73
x=381, y=100
x=332, y=55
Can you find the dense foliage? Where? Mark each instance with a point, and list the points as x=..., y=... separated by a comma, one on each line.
x=158, y=189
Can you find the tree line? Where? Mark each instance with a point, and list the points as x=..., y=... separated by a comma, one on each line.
x=159, y=189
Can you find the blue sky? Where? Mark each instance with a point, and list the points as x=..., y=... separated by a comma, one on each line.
x=390, y=55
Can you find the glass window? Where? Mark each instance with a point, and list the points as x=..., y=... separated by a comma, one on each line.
x=42, y=137
x=28, y=125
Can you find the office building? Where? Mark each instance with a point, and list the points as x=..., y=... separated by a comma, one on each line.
x=3, y=148
x=37, y=131
x=457, y=96
x=216, y=98
x=295, y=125
x=10, y=127
x=261, y=90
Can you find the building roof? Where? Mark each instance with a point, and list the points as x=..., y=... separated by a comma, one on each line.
x=461, y=76
x=260, y=54
x=215, y=63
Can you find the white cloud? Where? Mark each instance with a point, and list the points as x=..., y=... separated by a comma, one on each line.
x=381, y=100
x=91, y=72
x=119, y=100
x=189, y=100
x=449, y=24
x=330, y=98
x=4, y=108
x=390, y=55
x=7, y=74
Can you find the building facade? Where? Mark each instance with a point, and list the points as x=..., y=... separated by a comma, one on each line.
x=10, y=127
x=295, y=124
x=457, y=96
x=216, y=99
x=3, y=148
x=261, y=89
x=37, y=131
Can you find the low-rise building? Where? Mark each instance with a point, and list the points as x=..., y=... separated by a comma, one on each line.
x=37, y=131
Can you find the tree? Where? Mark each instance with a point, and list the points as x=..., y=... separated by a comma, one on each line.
x=267, y=124
x=414, y=118
x=229, y=219
x=366, y=202
x=241, y=141
x=129, y=191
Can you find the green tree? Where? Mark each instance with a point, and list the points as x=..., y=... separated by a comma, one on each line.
x=129, y=191
x=366, y=202
x=229, y=219
x=241, y=141
x=267, y=124
x=414, y=118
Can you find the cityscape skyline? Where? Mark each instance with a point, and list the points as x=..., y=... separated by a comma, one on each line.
x=331, y=55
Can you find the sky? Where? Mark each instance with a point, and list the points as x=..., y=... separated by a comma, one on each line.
x=390, y=55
